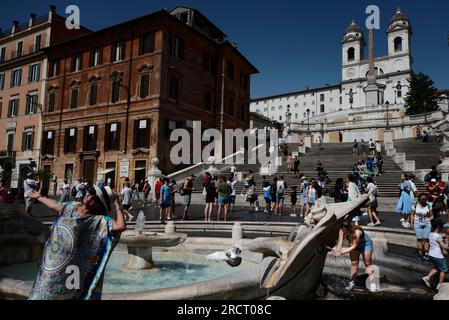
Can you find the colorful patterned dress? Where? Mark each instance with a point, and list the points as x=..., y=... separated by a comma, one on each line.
x=75, y=243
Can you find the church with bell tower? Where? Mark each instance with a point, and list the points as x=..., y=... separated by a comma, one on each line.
x=367, y=81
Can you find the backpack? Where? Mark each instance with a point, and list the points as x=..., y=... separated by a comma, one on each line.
x=73, y=191
x=181, y=189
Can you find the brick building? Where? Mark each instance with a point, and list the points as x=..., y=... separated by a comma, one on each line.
x=22, y=84
x=114, y=96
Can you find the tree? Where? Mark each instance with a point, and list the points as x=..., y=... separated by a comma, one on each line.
x=421, y=97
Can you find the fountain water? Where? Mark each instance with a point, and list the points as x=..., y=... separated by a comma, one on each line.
x=140, y=244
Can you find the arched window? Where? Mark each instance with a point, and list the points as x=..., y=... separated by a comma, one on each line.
x=351, y=54
x=378, y=71
x=398, y=44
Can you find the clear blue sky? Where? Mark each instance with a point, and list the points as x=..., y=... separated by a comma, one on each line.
x=294, y=44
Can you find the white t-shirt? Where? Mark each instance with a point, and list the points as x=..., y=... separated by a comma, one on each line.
x=66, y=188
x=29, y=185
x=435, y=249
x=233, y=169
x=421, y=213
x=281, y=186
x=127, y=195
x=372, y=191
x=233, y=183
x=353, y=191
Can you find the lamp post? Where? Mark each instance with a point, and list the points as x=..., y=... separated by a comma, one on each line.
x=388, y=120
x=308, y=122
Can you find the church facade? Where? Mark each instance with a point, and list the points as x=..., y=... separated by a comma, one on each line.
x=327, y=103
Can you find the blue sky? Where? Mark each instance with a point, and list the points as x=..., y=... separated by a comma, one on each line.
x=294, y=44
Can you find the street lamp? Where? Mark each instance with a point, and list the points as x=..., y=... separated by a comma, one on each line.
x=308, y=122
x=388, y=120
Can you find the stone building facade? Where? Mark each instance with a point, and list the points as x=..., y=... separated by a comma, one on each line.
x=114, y=96
x=22, y=85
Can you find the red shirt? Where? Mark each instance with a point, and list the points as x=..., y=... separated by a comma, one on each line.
x=157, y=188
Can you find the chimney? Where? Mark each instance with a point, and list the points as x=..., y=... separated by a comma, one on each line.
x=32, y=20
x=51, y=12
x=15, y=25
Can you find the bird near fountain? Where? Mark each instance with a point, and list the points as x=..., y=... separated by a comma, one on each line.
x=231, y=256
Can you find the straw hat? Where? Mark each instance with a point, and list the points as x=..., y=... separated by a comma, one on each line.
x=106, y=196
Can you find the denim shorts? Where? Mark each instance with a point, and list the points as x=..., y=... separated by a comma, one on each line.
x=422, y=230
x=222, y=200
x=365, y=246
x=187, y=199
x=440, y=264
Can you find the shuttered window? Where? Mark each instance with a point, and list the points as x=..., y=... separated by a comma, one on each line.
x=141, y=133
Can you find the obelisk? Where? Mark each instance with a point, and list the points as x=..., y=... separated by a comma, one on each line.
x=372, y=89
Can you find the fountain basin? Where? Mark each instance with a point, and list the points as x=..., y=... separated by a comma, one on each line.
x=140, y=247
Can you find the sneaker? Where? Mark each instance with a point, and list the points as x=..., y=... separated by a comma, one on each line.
x=371, y=224
x=406, y=225
x=378, y=223
x=418, y=256
x=402, y=220
x=427, y=281
x=372, y=287
x=365, y=214
x=130, y=217
x=426, y=257
x=350, y=286
x=293, y=215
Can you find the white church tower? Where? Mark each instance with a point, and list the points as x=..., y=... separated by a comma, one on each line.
x=353, y=50
x=399, y=36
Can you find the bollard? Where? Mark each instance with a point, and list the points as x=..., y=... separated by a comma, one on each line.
x=237, y=232
x=170, y=227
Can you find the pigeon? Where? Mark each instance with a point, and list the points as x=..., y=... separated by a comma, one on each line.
x=231, y=256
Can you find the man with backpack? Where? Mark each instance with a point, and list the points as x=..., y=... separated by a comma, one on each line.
x=280, y=195
x=186, y=191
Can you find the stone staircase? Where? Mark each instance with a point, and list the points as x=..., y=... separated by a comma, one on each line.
x=338, y=161
x=425, y=155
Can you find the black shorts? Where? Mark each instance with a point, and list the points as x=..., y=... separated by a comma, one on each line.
x=210, y=198
x=126, y=206
x=373, y=205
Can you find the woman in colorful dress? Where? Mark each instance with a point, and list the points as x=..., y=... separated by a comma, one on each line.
x=82, y=239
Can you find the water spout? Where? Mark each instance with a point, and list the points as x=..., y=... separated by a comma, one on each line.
x=140, y=223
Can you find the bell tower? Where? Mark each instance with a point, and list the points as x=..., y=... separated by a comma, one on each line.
x=353, y=50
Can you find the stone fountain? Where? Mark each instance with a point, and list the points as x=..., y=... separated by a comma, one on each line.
x=140, y=244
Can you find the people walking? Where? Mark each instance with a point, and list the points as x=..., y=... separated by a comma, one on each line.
x=371, y=190
x=65, y=191
x=303, y=191
x=353, y=193
x=404, y=206
x=421, y=216
x=296, y=164
x=146, y=192
x=223, y=198
x=80, y=189
x=293, y=200
x=126, y=197
x=165, y=203
x=289, y=163
x=436, y=254
x=210, y=189
x=355, y=148
x=280, y=195
x=29, y=185
x=157, y=191
x=267, y=196
x=186, y=192
x=311, y=195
